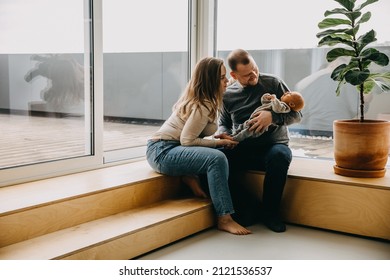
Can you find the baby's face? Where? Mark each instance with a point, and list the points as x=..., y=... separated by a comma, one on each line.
x=293, y=99
x=288, y=97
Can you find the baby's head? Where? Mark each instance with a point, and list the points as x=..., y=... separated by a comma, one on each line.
x=294, y=100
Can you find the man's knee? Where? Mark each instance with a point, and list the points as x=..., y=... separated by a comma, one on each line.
x=280, y=155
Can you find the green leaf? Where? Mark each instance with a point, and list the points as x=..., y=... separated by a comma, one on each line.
x=353, y=15
x=342, y=36
x=327, y=41
x=366, y=39
x=366, y=17
x=381, y=80
x=385, y=76
x=383, y=86
x=330, y=41
x=378, y=58
x=336, y=11
x=368, y=86
x=353, y=31
x=368, y=2
x=334, y=39
x=333, y=31
x=356, y=72
x=337, y=52
x=339, y=86
x=331, y=22
x=365, y=64
x=368, y=52
x=337, y=73
x=356, y=77
x=348, y=4
x=354, y=63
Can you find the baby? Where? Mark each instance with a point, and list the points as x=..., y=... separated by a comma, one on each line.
x=289, y=101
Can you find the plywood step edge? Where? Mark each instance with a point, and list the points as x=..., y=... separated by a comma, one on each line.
x=68, y=241
x=43, y=192
x=307, y=169
x=42, y=219
x=360, y=209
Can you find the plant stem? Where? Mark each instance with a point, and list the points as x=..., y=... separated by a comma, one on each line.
x=361, y=87
x=361, y=102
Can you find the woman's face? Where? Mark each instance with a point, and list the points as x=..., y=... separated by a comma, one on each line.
x=224, y=80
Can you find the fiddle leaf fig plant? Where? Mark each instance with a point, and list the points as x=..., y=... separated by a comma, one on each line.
x=341, y=27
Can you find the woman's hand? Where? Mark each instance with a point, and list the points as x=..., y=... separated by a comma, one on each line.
x=226, y=141
x=223, y=136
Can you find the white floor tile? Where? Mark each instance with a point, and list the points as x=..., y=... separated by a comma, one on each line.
x=297, y=243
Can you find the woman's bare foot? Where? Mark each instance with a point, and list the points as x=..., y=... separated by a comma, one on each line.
x=193, y=182
x=226, y=223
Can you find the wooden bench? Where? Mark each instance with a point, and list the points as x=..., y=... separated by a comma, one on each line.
x=117, y=212
x=315, y=196
x=123, y=211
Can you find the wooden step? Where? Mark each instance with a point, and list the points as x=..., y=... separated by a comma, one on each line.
x=315, y=196
x=38, y=208
x=123, y=211
x=121, y=236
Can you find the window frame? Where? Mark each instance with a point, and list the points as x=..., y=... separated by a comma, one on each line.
x=21, y=174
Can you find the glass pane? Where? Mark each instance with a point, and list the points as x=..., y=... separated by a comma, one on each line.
x=145, y=52
x=45, y=81
x=287, y=47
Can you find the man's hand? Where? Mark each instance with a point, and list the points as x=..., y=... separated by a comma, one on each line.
x=226, y=141
x=223, y=136
x=260, y=121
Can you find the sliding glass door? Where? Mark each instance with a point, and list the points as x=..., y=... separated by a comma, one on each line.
x=57, y=57
x=46, y=82
x=145, y=52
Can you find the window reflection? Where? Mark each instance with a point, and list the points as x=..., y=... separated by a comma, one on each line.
x=64, y=92
x=45, y=84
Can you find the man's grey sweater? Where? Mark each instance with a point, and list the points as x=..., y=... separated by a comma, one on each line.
x=240, y=102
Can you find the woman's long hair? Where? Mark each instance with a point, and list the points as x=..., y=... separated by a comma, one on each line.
x=204, y=87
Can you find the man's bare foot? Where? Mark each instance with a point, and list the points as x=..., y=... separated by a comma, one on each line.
x=226, y=223
x=193, y=182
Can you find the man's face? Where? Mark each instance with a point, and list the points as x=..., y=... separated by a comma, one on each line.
x=246, y=75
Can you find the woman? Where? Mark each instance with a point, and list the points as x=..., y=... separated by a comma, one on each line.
x=179, y=148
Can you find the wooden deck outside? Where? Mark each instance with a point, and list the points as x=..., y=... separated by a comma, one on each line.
x=30, y=139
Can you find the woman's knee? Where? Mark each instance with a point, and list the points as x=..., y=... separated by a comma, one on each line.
x=219, y=158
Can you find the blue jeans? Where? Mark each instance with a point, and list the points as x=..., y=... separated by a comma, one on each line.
x=170, y=158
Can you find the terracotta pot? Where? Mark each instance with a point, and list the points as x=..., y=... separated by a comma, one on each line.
x=361, y=149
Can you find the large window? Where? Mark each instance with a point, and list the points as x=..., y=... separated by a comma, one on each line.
x=145, y=46
x=85, y=82
x=72, y=100
x=45, y=81
x=281, y=35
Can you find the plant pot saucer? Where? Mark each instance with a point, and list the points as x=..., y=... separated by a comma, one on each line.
x=359, y=173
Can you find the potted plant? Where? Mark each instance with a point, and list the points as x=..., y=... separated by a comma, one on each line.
x=361, y=146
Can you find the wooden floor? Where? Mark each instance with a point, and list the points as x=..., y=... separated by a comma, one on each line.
x=30, y=139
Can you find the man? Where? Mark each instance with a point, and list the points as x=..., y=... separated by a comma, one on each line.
x=269, y=152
